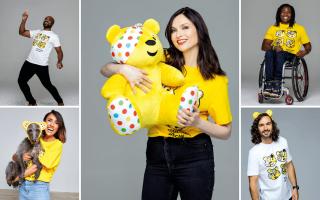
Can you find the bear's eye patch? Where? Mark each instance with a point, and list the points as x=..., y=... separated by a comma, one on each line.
x=150, y=42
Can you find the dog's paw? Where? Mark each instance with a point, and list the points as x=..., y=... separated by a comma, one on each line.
x=123, y=116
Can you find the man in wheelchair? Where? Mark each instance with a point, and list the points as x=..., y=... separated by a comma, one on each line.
x=282, y=42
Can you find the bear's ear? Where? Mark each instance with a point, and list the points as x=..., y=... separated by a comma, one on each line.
x=43, y=125
x=269, y=112
x=153, y=25
x=112, y=32
x=25, y=124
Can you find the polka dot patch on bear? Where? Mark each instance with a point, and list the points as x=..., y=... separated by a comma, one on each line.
x=189, y=98
x=123, y=48
x=123, y=116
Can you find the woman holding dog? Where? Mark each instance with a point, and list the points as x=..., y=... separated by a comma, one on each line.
x=52, y=140
x=180, y=159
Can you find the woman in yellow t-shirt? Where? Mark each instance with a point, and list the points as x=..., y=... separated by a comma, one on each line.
x=51, y=141
x=282, y=42
x=180, y=158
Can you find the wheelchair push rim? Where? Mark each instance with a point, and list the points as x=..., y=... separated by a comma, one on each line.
x=300, y=80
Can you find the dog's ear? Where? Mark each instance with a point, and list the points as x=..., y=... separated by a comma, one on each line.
x=43, y=125
x=25, y=124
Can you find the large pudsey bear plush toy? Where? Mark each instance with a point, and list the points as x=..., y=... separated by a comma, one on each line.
x=140, y=46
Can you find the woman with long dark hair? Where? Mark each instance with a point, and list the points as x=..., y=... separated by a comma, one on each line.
x=282, y=42
x=180, y=158
x=51, y=140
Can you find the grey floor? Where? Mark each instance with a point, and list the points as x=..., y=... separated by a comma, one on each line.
x=250, y=89
x=13, y=195
x=10, y=94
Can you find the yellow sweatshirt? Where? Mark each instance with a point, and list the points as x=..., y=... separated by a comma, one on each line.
x=49, y=159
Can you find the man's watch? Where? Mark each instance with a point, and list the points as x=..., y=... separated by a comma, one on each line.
x=295, y=187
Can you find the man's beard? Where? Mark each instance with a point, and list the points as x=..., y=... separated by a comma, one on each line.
x=46, y=25
x=264, y=134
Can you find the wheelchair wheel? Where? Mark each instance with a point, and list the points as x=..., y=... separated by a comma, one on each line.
x=261, y=71
x=300, y=80
x=289, y=100
x=260, y=97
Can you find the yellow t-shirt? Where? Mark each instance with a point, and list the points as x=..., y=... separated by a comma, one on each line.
x=288, y=38
x=214, y=102
x=49, y=159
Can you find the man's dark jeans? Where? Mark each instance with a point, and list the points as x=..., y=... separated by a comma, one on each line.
x=184, y=166
x=274, y=62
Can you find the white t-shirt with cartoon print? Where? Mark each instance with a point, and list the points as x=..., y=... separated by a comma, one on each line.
x=268, y=162
x=43, y=42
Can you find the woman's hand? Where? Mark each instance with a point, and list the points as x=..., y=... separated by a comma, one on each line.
x=277, y=48
x=187, y=118
x=301, y=53
x=136, y=78
x=16, y=179
x=31, y=170
x=26, y=157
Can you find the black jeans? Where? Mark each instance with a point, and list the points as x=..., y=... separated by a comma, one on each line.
x=26, y=73
x=184, y=166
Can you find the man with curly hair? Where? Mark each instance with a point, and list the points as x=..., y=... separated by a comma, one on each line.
x=270, y=163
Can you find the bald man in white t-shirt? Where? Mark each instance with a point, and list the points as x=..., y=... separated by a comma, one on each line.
x=37, y=62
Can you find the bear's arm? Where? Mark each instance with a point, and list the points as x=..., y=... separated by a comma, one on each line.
x=171, y=76
x=115, y=85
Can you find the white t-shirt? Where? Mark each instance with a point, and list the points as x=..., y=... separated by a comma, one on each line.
x=43, y=42
x=268, y=162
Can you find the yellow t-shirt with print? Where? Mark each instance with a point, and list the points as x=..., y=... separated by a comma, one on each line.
x=49, y=159
x=288, y=38
x=214, y=103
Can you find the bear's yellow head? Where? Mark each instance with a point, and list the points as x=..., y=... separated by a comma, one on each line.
x=136, y=45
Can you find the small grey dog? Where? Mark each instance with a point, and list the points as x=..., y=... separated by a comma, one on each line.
x=31, y=145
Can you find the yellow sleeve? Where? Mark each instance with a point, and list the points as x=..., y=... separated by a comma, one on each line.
x=304, y=36
x=270, y=33
x=219, y=110
x=51, y=157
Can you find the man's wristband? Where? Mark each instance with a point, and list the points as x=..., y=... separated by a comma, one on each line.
x=295, y=187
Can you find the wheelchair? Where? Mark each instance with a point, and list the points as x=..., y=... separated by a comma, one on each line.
x=297, y=71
